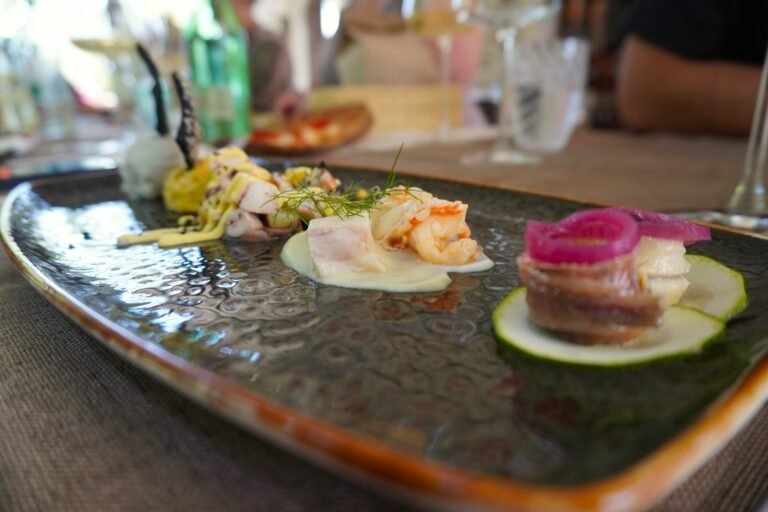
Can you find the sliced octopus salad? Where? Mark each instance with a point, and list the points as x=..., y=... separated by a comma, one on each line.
x=239, y=200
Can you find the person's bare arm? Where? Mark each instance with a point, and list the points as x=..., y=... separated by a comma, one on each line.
x=659, y=90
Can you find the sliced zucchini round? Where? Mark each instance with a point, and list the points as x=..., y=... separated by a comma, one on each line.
x=684, y=331
x=715, y=289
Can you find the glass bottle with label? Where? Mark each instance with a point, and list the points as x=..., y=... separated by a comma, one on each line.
x=218, y=58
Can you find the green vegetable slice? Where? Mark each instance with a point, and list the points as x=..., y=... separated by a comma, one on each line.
x=715, y=289
x=684, y=331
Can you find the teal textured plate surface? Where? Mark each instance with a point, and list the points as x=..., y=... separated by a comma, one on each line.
x=407, y=389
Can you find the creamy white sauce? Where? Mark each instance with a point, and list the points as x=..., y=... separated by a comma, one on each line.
x=404, y=270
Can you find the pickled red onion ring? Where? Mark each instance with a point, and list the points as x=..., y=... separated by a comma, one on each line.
x=668, y=227
x=588, y=236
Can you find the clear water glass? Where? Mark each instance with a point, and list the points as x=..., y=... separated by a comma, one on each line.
x=437, y=19
x=549, y=80
x=749, y=196
x=506, y=18
x=747, y=208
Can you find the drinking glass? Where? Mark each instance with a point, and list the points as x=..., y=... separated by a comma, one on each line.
x=748, y=208
x=437, y=19
x=549, y=80
x=747, y=204
x=506, y=18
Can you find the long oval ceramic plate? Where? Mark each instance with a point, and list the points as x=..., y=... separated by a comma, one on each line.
x=406, y=392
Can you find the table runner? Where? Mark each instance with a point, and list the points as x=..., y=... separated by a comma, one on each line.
x=81, y=429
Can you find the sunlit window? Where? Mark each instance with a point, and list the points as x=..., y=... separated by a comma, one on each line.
x=86, y=44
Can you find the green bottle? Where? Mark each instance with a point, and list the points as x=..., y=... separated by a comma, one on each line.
x=218, y=56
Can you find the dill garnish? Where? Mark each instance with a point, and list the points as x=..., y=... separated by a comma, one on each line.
x=354, y=201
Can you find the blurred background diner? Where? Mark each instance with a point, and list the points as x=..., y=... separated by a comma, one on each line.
x=69, y=70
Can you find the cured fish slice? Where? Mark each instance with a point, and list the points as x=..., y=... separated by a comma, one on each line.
x=596, y=303
x=339, y=245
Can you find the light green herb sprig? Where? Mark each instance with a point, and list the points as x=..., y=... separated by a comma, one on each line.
x=355, y=201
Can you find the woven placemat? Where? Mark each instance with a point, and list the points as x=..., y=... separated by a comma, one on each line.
x=80, y=429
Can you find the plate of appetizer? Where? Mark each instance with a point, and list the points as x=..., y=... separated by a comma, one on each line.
x=263, y=299
x=614, y=286
x=455, y=346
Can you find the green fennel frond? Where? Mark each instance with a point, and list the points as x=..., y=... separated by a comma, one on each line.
x=356, y=200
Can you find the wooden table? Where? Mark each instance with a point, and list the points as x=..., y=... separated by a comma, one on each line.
x=658, y=172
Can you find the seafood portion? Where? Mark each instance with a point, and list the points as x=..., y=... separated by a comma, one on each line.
x=391, y=238
x=434, y=228
x=605, y=276
x=342, y=245
x=407, y=241
x=231, y=196
x=599, y=303
x=152, y=157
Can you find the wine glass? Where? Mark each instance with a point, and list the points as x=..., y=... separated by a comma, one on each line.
x=506, y=18
x=437, y=19
x=747, y=208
